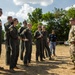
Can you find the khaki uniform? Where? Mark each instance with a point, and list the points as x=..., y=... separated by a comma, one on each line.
x=72, y=42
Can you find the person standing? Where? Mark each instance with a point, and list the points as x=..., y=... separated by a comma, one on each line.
x=7, y=42
x=14, y=42
x=1, y=34
x=45, y=44
x=22, y=44
x=0, y=31
x=72, y=40
x=28, y=44
x=39, y=43
x=52, y=39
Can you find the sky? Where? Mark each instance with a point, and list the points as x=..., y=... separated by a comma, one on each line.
x=20, y=8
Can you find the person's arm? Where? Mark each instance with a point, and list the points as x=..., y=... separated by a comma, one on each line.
x=19, y=31
x=37, y=35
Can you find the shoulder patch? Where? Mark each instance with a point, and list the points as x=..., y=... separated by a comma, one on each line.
x=6, y=24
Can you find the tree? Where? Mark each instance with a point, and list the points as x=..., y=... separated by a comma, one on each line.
x=35, y=18
x=49, y=19
x=57, y=20
x=18, y=25
x=71, y=13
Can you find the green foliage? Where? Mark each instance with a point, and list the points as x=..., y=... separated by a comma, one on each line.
x=34, y=27
x=71, y=12
x=58, y=20
x=36, y=16
x=18, y=25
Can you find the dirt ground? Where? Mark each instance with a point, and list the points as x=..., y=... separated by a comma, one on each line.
x=60, y=66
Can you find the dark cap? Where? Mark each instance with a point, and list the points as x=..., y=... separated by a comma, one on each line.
x=72, y=19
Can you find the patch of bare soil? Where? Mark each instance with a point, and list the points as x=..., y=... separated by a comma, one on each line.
x=60, y=66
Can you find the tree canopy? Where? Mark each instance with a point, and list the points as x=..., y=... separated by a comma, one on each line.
x=57, y=20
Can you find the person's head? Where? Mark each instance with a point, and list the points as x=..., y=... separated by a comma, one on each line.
x=1, y=12
x=72, y=21
x=9, y=18
x=39, y=27
x=29, y=25
x=25, y=23
x=15, y=21
x=0, y=23
x=43, y=28
x=53, y=31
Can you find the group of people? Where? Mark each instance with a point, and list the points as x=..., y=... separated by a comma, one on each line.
x=45, y=43
x=18, y=41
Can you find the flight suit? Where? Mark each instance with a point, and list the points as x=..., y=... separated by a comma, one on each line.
x=28, y=45
x=39, y=45
x=22, y=44
x=14, y=41
x=7, y=42
x=45, y=44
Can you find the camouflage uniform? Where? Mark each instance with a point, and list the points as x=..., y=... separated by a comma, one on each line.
x=72, y=43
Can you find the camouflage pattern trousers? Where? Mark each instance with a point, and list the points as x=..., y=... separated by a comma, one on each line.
x=72, y=52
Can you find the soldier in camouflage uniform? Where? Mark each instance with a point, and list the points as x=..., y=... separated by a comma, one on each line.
x=72, y=40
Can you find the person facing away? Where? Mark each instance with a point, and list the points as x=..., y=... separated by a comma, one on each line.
x=52, y=39
x=71, y=40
